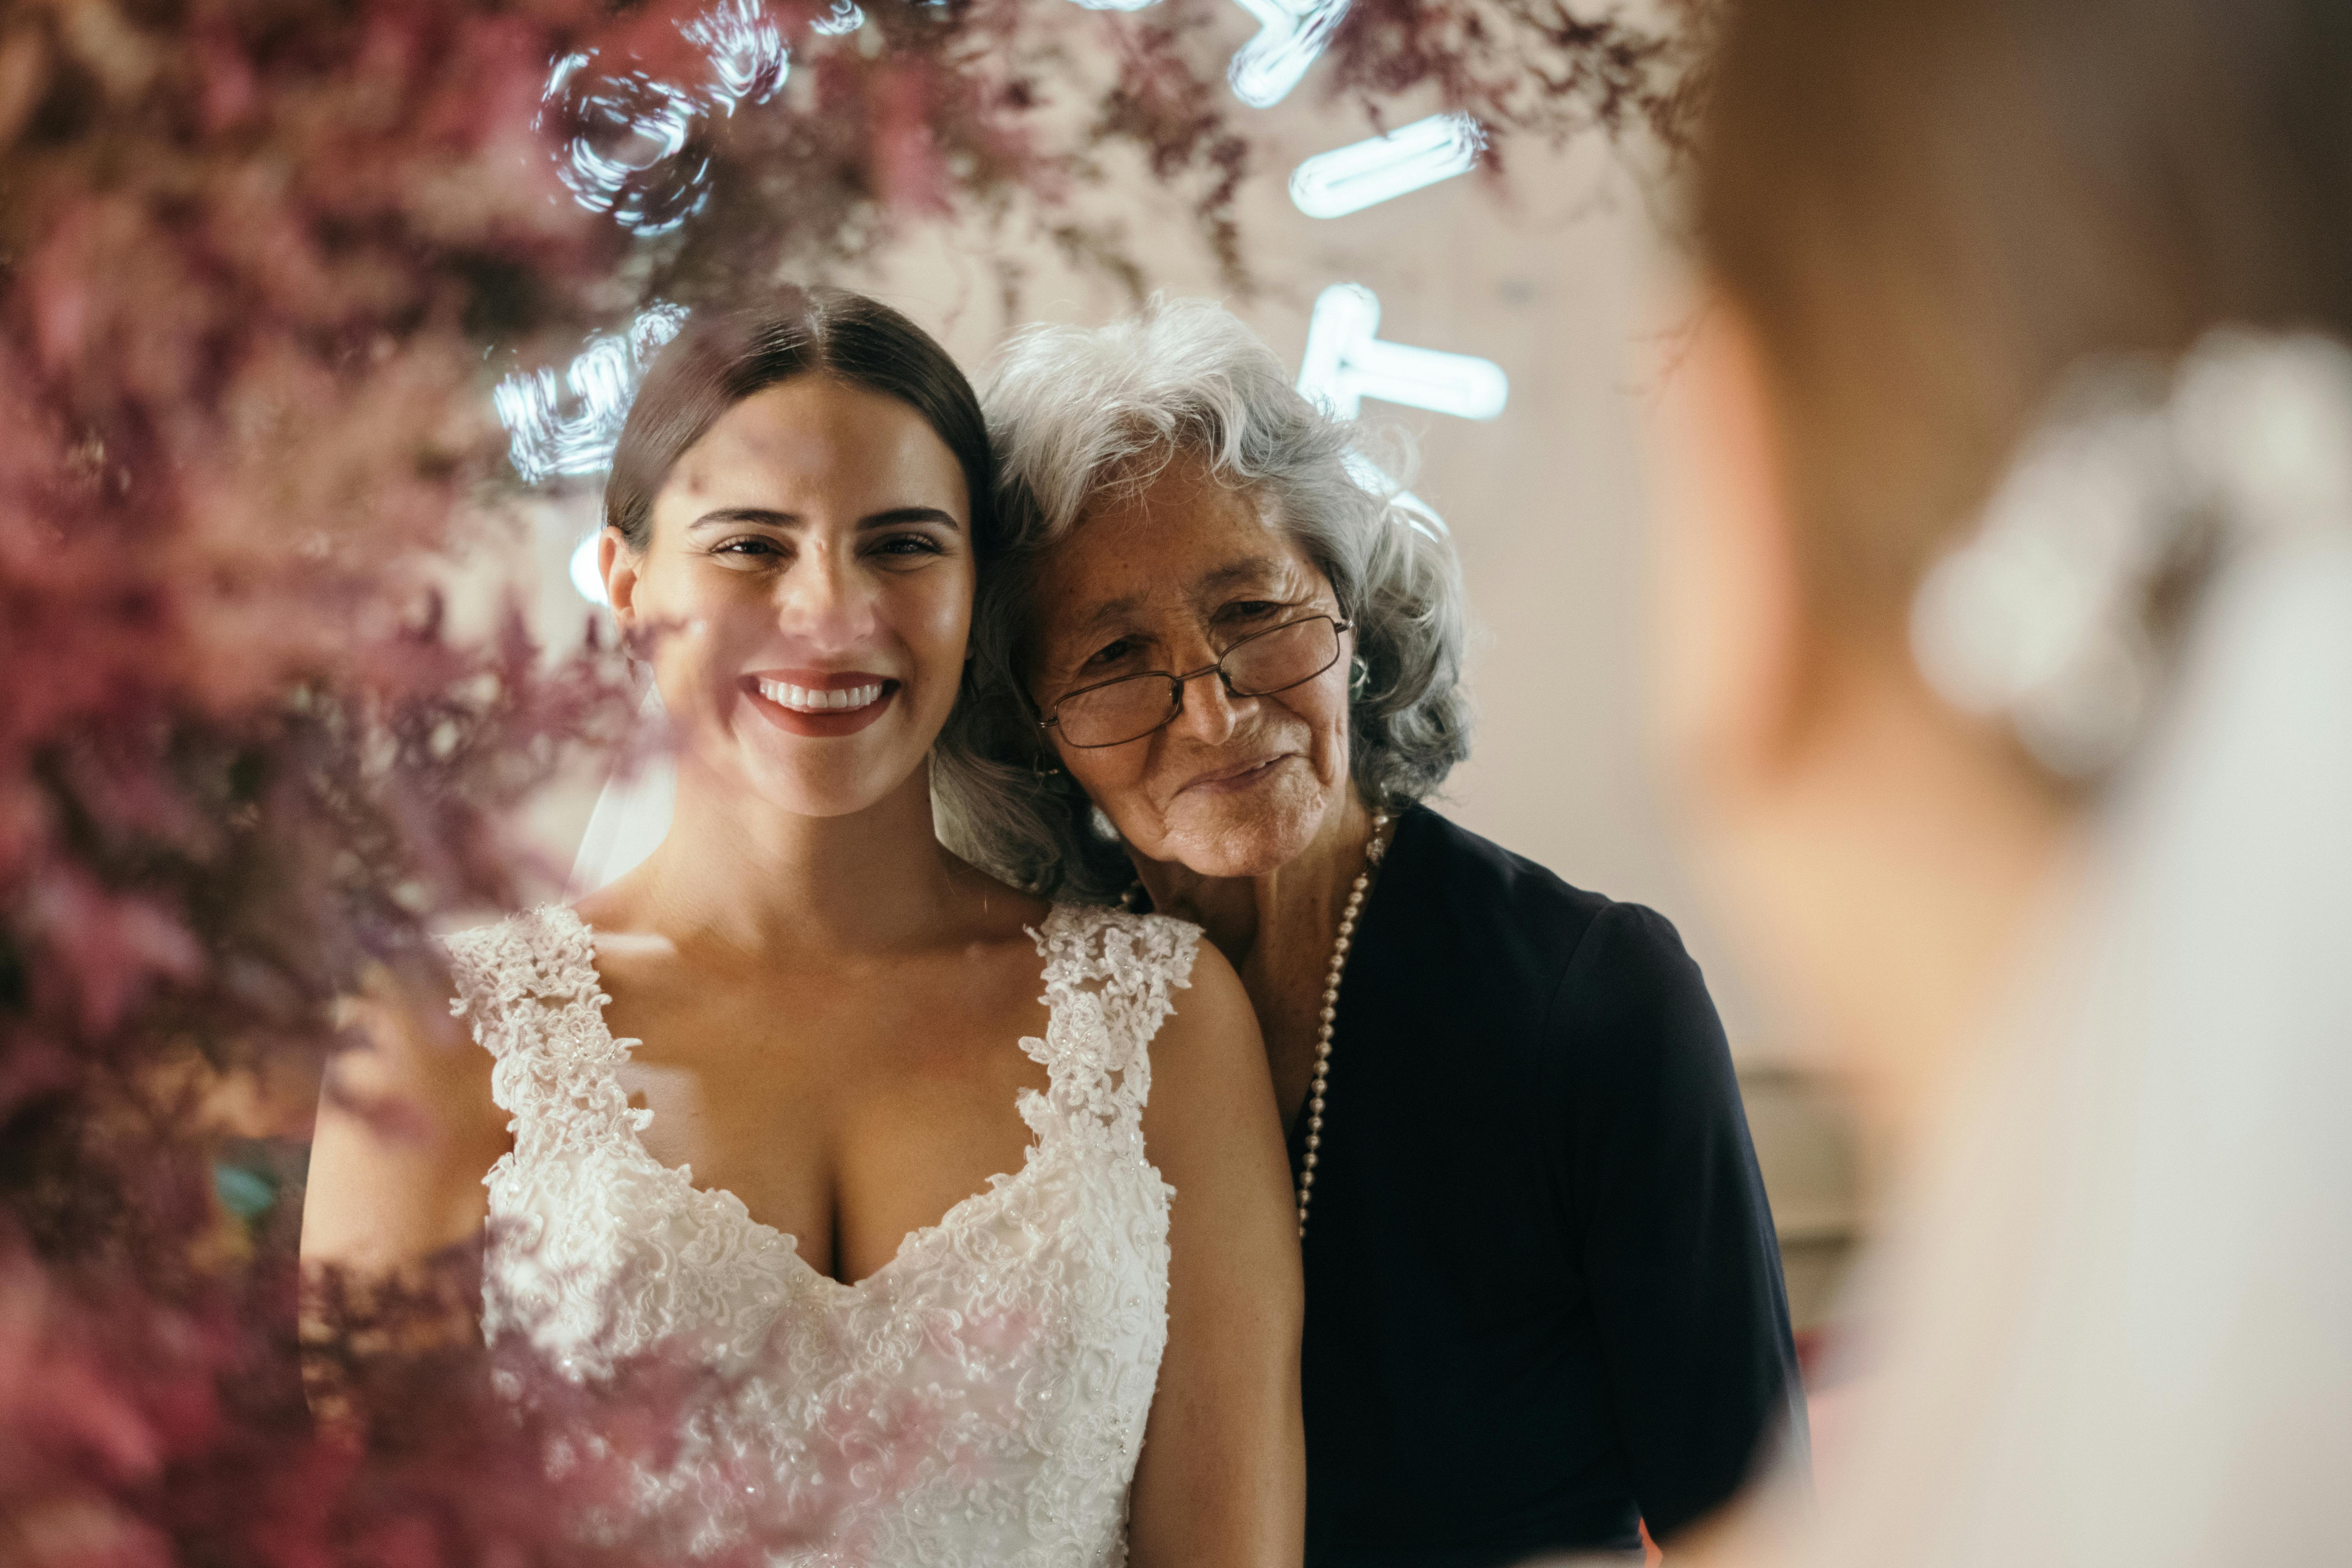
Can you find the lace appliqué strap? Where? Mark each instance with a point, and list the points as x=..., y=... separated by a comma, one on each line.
x=530, y=986
x=1107, y=978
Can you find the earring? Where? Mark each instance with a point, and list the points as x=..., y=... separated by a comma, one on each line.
x=1038, y=768
x=1360, y=675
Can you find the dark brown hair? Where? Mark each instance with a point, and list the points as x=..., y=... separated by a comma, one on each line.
x=1928, y=209
x=719, y=359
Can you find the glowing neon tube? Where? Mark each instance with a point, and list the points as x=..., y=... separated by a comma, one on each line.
x=1380, y=168
x=1344, y=363
x=1291, y=36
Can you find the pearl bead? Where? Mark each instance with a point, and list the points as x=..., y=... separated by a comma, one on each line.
x=1342, y=941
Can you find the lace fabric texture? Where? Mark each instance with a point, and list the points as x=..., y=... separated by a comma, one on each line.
x=979, y=1399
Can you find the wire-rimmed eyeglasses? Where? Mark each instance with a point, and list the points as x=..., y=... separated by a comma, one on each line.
x=1113, y=712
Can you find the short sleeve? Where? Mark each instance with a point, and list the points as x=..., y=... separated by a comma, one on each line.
x=1675, y=1233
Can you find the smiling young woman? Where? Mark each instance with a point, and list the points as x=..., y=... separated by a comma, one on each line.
x=988, y=1276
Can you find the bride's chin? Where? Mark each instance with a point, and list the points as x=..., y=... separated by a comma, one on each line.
x=837, y=785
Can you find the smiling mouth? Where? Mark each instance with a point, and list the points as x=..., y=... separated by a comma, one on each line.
x=1247, y=773
x=816, y=700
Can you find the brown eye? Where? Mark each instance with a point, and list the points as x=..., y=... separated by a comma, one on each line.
x=1244, y=615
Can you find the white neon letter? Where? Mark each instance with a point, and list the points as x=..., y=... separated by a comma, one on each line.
x=548, y=437
x=1291, y=36
x=1346, y=362
x=1365, y=173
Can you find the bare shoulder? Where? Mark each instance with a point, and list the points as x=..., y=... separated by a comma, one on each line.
x=1213, y=1014
x=407, y=1125
x=1208, y=1063
x=404, y=1041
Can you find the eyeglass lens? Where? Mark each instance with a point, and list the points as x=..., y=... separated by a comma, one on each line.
x=1260, y=666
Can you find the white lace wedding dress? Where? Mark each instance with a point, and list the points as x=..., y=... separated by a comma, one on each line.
x=978, y=1400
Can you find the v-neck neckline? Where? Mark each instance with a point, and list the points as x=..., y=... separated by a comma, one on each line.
x=731, y=1203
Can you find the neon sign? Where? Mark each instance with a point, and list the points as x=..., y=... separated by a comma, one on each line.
x=1380, y=168
x=1344, y=363
x=1292, y=35
x=627, y=161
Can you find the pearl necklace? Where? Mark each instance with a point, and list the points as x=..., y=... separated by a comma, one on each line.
x=1373, y=850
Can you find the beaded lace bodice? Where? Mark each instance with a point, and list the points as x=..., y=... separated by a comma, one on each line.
x=978, y=1400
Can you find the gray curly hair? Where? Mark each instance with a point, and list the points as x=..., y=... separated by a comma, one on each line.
x=1077, y=412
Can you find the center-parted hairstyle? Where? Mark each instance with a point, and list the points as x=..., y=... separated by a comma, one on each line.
x=1081, y=414
x=720, y=358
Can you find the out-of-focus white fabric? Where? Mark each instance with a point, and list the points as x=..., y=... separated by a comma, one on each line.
x=2111, y=1323
x=632, y=814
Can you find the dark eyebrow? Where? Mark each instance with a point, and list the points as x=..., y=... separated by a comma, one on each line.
x=900, y=514
x=727, y=514
x=769, y=518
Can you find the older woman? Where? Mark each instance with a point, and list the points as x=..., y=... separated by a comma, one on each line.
x=1219, y=676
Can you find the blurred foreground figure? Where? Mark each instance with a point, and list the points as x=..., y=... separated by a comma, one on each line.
x=2009, y=594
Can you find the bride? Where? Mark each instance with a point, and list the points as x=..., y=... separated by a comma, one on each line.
x=985, y=1228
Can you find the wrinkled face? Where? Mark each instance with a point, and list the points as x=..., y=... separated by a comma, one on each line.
x=806, y=589
x=1167, y=579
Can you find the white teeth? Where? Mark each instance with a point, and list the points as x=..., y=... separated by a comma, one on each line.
x=817, y=699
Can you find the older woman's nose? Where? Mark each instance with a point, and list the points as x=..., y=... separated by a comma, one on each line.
x=1210, y=713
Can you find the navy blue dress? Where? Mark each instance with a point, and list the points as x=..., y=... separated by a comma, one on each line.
x=1543, y=1295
